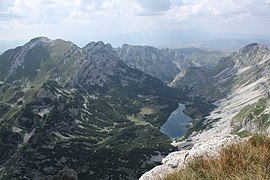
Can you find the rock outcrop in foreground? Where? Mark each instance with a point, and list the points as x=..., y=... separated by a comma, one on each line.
x=177, y=160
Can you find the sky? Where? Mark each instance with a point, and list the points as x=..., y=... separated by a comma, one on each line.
x=85, y=20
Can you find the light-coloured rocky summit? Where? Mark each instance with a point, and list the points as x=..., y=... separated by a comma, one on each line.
x=209, y=147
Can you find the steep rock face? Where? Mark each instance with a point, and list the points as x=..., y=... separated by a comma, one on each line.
x=100, y=63
x=150, y=60
x=165, y=64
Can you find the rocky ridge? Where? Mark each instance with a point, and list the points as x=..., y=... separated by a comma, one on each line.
x=238, y=85
x=175, y=161
x=166, y=63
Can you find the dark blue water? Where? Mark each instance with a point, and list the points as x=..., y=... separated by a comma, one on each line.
x=175, y=126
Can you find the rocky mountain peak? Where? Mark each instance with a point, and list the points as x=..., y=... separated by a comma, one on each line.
x=250, y=55
x=97, y=46
x=40, y=39
x=125, y=45
x=252, y=48
x=101, y=53
x=100, y=61
x=36, y=41
x=18, y=58
x=94, y=45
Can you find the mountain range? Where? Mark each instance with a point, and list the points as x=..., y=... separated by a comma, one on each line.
x=95, y=112
x=70, y=109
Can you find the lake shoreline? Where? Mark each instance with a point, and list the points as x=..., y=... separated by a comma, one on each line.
x=175, y=126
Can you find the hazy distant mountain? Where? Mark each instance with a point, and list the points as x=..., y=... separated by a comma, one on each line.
x=174, y=39
x=180, y=38
x=5, y=45
x=227, y=44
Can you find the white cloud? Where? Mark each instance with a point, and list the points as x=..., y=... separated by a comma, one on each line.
x=98, y=18
x=48, y=11
x=207, y=8
x=153, y=7
x=266, y=1
x=40, y=11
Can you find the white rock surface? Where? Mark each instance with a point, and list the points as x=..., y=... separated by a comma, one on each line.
x=210, y=147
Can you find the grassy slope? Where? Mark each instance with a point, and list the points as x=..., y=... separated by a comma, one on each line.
x=248, y=160
x=255, y=114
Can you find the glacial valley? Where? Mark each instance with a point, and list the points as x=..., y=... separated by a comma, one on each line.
x=97, y=112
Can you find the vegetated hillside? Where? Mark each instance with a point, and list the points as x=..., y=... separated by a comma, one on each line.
x=165, y=63
x=245, y=160
x=79, y=112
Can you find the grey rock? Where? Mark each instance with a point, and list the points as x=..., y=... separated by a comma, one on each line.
x=177, y=160
x=165, y=63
